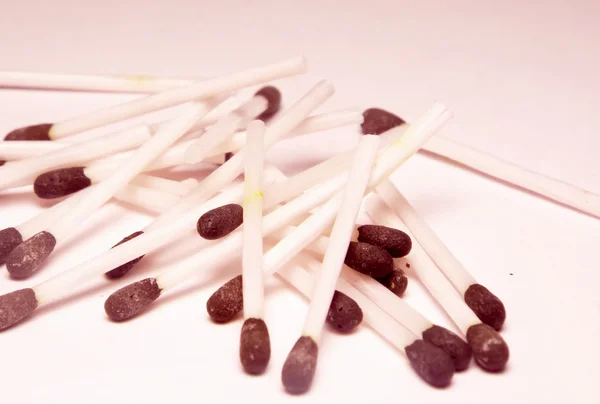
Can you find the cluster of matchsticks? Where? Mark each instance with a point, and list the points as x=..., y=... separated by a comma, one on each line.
x=306, y=223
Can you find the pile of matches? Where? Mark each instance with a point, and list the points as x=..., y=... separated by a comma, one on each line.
x=301, y=229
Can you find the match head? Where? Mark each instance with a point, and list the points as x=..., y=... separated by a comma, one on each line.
x=369, y=259
x=300, y=366
x=273, y=97
x=394, y=241
x=486, y=306
x=16, y=306
x=431, y=363
x=29, y=256
x=228, y=155
x=396, y=281
x=2, y=163
x=489, y=348
x=376, y=121
x=255, y=346
x=126, y=267
x=454, y=346
x=220, y=221
x=61, y=182
x=344, y=313
x=227, y=301
x=33, y=132
x=10, y=238
x=132, y=299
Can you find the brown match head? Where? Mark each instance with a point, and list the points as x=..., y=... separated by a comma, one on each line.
x=2, y=163
x=369, y=259
x=132, y=299
x=16, y=306
x=344, y=313
x=455, y=347
x=29, y=256
x=10, y=238
x=255, y=346
x=273, y=97
x=126, y=267
x=394, y=241
x=431, y=363
x=227, y=301
x=376, y=121
x=220, y=221
x=33, y=132
x=300, y=366
x=61, y=182
x=396, y=281
x=228, y=155
x=486, y=306
x=489, y=348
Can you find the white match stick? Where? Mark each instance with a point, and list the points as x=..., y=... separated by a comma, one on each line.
x=28, y=256
x=168, y=98
x=79, y=82
x=18, y=171
x=22, y=149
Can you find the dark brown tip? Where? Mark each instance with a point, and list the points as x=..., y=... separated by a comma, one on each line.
x=273, y=96
x=126, y=267
x=376, y=121
x=220, y=221
x=486, y=306
x=431, y=363
x=344, y=313
x=228, y=155
x=369, y=259
x=2, y=163
x=29, y=256
x=132, y=299
x=394, y=241
x=454, y=346
x=489, y=349
x=227, y=301
x=57, y=183
x=255, y=346
x=396, y=281
x=10, y=238
x=16, y=306
x=33, y=132
x=300, y=366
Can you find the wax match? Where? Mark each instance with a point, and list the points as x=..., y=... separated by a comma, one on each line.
x=490, y=350
x=484, y=303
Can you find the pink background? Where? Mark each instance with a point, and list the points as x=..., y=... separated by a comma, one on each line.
x=521, y=78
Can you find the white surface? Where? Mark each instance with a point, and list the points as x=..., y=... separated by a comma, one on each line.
x=521, y=79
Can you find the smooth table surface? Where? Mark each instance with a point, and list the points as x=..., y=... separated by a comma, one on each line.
x=522, y=81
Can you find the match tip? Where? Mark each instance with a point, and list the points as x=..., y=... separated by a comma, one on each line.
x=273, y=97
x=10, y=238
x=2, y=163
x=344, y=313
x=132, y=299
x=394, y=241
x=489, y=348
x=431, y=363
x=369, y=259
x=126, y=267
x=33, y=132
x=221, y=221
x=300, y=366
x=227, y=301
x=396, y=281
x=29, y=256
x=454, y=346
x=255, y=346
x=61, y=182
x=16, y=306
x=486, y=306
x=376, y=121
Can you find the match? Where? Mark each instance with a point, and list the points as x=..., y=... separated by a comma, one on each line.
x=27, y=258
x=490, y=350
x=198, y=90
x=484, y=303
x=378, y=121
